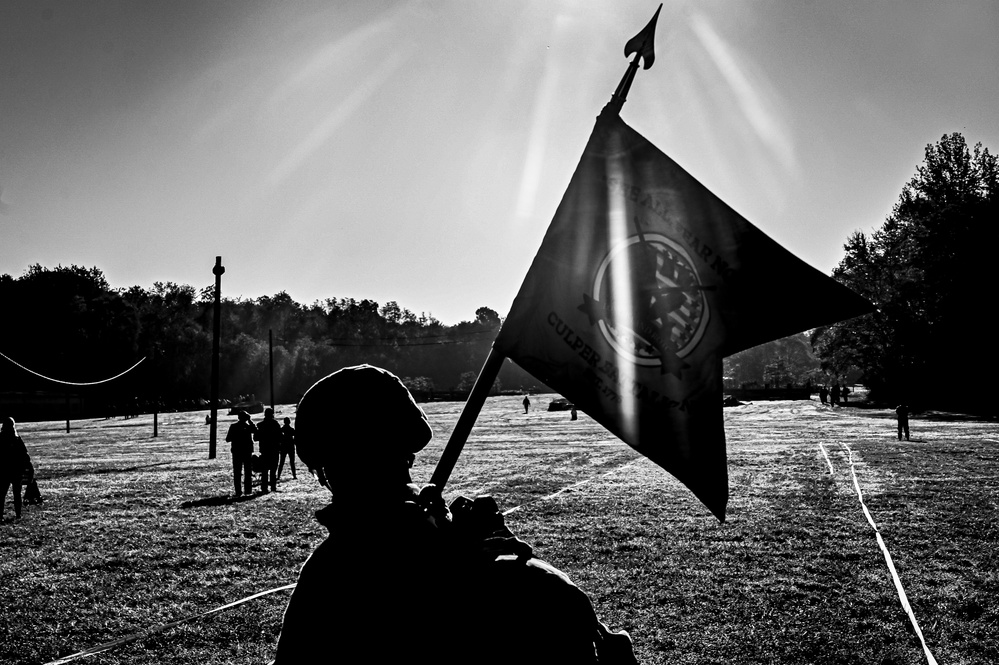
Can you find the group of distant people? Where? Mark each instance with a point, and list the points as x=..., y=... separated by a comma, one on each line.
x=276, y=443
x=834, y=394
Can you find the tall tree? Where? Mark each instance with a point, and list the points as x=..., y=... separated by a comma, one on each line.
x=927, y=269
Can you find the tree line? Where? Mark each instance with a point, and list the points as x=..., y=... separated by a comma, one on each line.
x=73, y=326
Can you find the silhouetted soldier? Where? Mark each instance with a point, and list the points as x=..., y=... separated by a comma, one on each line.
x=240, y=438
x=13, y=461
x=835, y=394
x=402, y=578
x=902, y=413
x=527, y=404
x=287, y=447
x=269, y=436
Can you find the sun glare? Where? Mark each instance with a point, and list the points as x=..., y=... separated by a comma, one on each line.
x=351, y=55
x=541, y=120
x=325, y=129
x=623, y=306
x=745, y=91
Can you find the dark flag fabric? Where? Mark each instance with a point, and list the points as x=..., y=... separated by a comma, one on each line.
x=644, y=281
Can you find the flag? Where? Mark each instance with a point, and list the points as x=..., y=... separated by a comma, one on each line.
x=644, y=281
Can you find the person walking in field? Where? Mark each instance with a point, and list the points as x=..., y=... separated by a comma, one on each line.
x=269, y=435
x=13, y=461
x=287, y=447
x=902, y=414
x=527, y=404
x=383, y=586
x=240, y=438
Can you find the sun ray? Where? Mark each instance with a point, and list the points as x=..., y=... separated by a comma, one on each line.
x=325, y=129
x=746, y=92
x=541, y=119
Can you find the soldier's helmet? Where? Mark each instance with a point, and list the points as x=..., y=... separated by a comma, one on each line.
x=358, y=414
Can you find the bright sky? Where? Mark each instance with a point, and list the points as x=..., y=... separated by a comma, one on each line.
x=415, y=150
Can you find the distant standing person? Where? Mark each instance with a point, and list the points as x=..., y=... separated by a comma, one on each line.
x=527, y=404
x=240, y=438
x=287, y=447
x=823, y=394
x=269, y=436
x=845, y=392
x=902, y=413
x=13, y=461
x=835, y=394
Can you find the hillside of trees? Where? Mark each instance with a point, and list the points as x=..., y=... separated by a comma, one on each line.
x=74, y=327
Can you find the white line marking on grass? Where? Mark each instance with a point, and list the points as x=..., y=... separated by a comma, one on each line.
x=571, y=487
x=891, y=565
x=160, y=628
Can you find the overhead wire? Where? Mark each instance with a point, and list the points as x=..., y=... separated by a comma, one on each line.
x=72, y=383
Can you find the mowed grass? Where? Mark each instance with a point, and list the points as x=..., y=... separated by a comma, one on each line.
x=137, y=532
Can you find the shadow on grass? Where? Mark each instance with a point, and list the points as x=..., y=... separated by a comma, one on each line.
x=220, y=500
x=99, y=472
x=949, y=416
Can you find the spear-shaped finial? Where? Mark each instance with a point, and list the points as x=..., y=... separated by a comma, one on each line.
x=643, y=46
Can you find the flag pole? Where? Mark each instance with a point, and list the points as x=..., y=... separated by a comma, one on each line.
x=473, y=405
x=620, y=95
x=642, y=46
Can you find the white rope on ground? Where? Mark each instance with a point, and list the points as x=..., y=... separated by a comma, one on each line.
x=160, y=628
x=891, y=565
x=828, y=461
x=73, y=383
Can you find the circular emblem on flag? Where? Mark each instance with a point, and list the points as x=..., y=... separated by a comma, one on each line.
x=652, y=303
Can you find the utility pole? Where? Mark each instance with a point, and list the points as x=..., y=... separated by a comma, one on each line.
x=270, y=349
x=216, y=337
x=156, y=398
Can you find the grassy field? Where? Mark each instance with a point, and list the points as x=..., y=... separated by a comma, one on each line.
x=136, y=532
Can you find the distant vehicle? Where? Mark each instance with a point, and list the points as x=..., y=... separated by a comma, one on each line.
x=560, y=404
x=249, y=407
